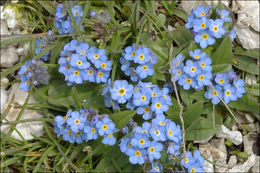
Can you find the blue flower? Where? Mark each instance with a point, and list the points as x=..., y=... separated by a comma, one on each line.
x=173, y=131
x=239, y=85
x=80, y=137
x=130, y=104
x=142, y=55
x=104, y=65
x=67, y=26
x=24, y=68
x=91, y=132
x=224, y=15
x=159, y=120
x=79, y=62
x=90, y=74
x=190, y=20
x=137, y=156
x=92, y=13
x=60, y=121
x=154, y=150
x=173, y=148
x=232, y=34
x=191, y=68
x=145, y=111
x=121, y=91
x=76, y=121
x=177, y=62
x=76, y=76
x=204, y=79
x=178, y=73
x=82, y=49
x=68, y=135
x=229, y=93
x=201, y=11
x=77, y=11
x=107, y=87
x=141, y=98
x=158, y=133
x=231, y=76
x=124, y=64
x=25, y=83
x=205, y=64
x=195, y=164
x=187, y=82
x=105, y=126
x=110, y=103
x=213, y=94
x=144, y=70
x=39, y=47
x=197, y=54
x=189, y=160
x=216, y=28
x=200, y=24
x=129, y=53
x=204, y=38
x=159, y=105
x=153, y=58
x=221, y=79
x=71, y=46
x=102, y=76
x=61, y=11
x=156, y=168
x=95, y=54
x=140, y=140
x=156, y=92
x=144, y=129
x=109, y=139
x=125, y=145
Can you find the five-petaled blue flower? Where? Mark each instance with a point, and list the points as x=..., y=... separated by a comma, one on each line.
x=121, y=91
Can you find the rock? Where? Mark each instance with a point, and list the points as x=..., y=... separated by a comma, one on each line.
x=4, y=29
x=23, y=49
x=234, y=136
x=248, y=38
x=203, y=141
x=256, y=166
x=245, y=167
x=208, y=167
x=8, y=56
x=189, y=5
x=219, y=144
x=232, y=161
x=28, y=128
x=4, y=99
x=249, y=141
x=250, y=79
x=171, y=28
x=249, y=118
x=215, y=152
x=251, y=127
x=4, y=80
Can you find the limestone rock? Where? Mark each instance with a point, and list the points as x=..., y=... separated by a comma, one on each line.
x=232, y=161
x=256, y=166
x=8, y=56
x=4, y=99
x=203, y=141
x=4, y=29
x=245, y=167
x=208, y=167
x=249, y=140
x=4, y=80
x=234, y=136
x=220, y=144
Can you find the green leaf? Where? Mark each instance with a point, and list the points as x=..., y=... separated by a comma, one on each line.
x=246, y=64
x=192, y=113
x=200, y=129
x=223, y=53
x=181, y=36
x=199, y=95
x=246, y=103
x=49, y=6
x=122, y=118
x=253, y=89
x=185, y=96
x=75, y=97
x=17, y=39
x=221, y=68
x=174, y=111
x=253, y=53
x=240, y=154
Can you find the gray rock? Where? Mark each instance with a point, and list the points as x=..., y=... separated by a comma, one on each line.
x=220, y=144
x=249, y=140
x=208, y=167
x=8, y=56
x=234, y=136
x=4, y=80
x=245, y=167
x=4, y=99
x=256, y=166
x=249, y=118
x=203, y=141
x=252, y=127
x=232, y=161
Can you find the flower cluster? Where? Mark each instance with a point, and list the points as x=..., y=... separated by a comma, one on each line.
x=85, y=125
x=80, y=63
x=138, y=63
x=148, y=98
x=194, y=163
x=33, y=72
x=196, y=73
x=206, y=30
x=226, y=86
x=40, y=45
x=64, y=21
x=147, y=142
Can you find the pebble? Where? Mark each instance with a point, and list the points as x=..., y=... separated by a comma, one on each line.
x=234, y=136
x=4, y=80
x=8, y=56
x=203, y=141
x=232, y=161
x=219, y=144
x=4, y=99
x=208, y=167
x=256, y=166
x=249, y=141
x=245, y=167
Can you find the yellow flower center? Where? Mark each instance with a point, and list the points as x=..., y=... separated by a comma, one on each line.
x=133, y=71
x=228, y=92
x=67, y=67
x=177, y=63
x=201, y=77
x=157, y=132
x=69, y=132
x=90, y=72
x=143, y=98
x=179, y=72
x=205, y=36
x=121, y=91
x=154, y=94
x=188, y=80
x=104, y=127
x=79, y=62
x=202, y=64
x=197, y=56
x=93, y=130
x=27, y=82
x=141, y=57
x=76, y=72
x=192, y=170
x=215, y=29
x=96, y=56
x=215, y=93
x=137, y=153
x=133, y=53
x=151, y=149
x=77, y=121
x=78, y=133
x=202, y=25
x=186, y=160
x=110, y=135
x=82, y=52
x=68, y=58
x=162, y=123
x=169, y=132
x=76, y=13
x=221, y=80
x=141, y=141
x=65, y=118
x=202, y=14
x=100, y=74
x=158, y=105
x=129, y=145
x=146, y=110
x=144, y=67
x=103, y=65
x=192, y=69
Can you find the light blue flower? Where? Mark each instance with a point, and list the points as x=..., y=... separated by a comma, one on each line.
x=142, y=55
x=76, y=121
x=25, y=83
x=197, y=54
x=216, y=28
x=80, y=137
x=104, y=65
x=156, y=168
x=145, y=111
x=76, y=76
x=239, y=84
x=205, y=64
x=144, y=70
x=102, y=76
x=90, y=74
x=77, y=11
x=224, y=15
x=173, y=148
x=204, y=79
x=60, y=11
x=109, y=139
x=187, y=82
x=232, y=34
x=79, y=62
x=124, y=64
x=68, y=135
x=200, y=24
x=221, y=79
x=178, y=73
x=201, y=11
x=94, y=54
x=91, y=131
x=156, y=92
x=125, y=145
x=173, y=131
x=204, y=38
x=130, y=104
x=159, y=105
x=140, y=140
x=71, y=46
x=129, y=53
x=105, y=126
x=154, y=150
x=132, y=73
x=144, y=129
x=190, y=20
x=191, y=68
x=229, y=93
x=159, y=120
x=177, y=62
x=214, y=94
x=82, y=49
x=141, y=98
x=137, y=156
x=110, y=103
x=60, y=121
x=158, y=132
x=121, y=91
